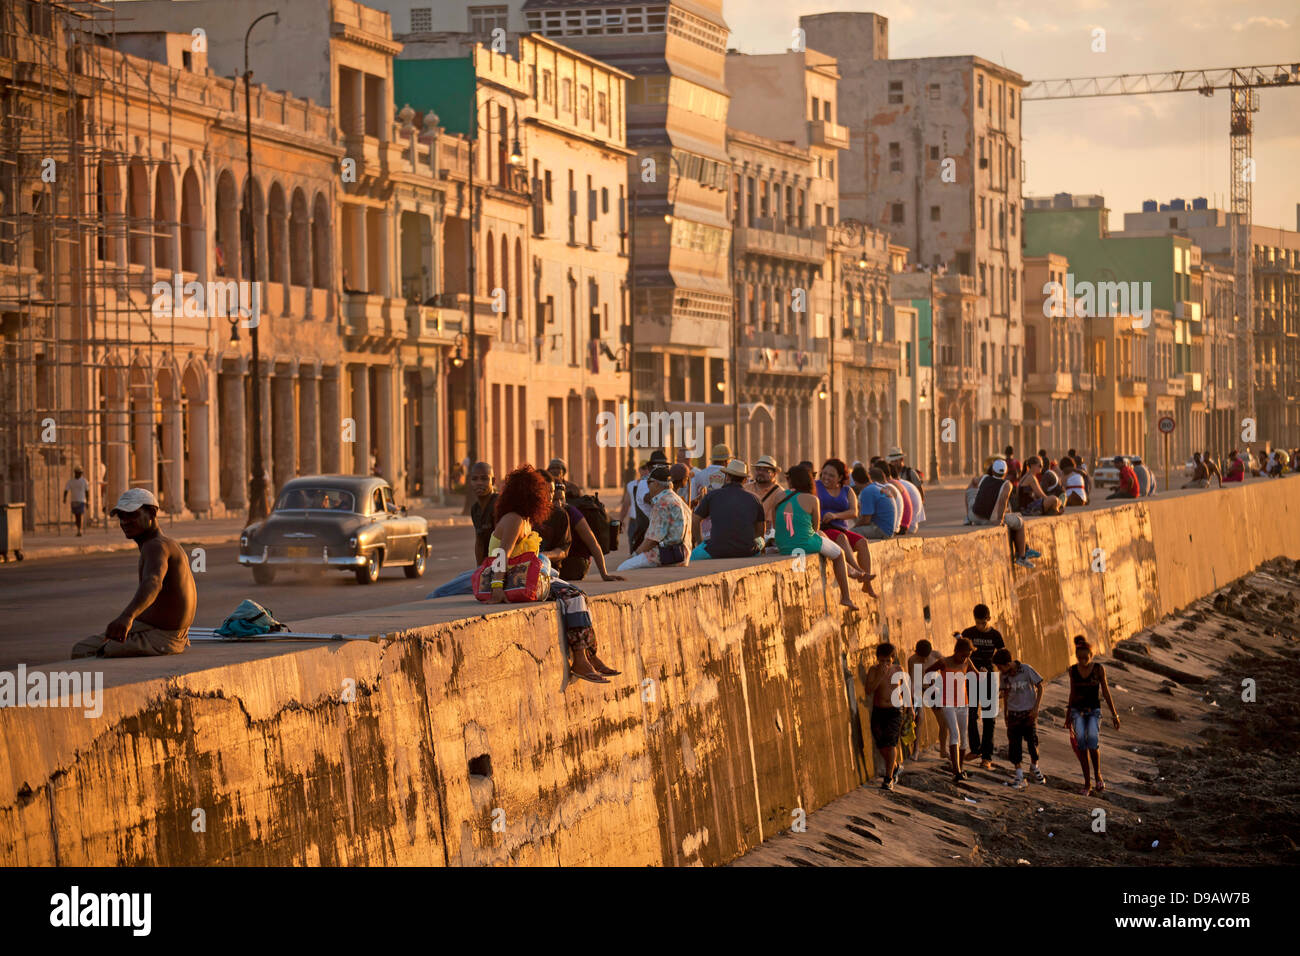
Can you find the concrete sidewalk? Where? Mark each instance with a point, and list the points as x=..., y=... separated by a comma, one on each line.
x=99, y=538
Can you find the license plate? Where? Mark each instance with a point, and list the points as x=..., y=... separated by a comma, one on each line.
x=298, y=552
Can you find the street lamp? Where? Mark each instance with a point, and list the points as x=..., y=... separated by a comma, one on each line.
x=258, y=507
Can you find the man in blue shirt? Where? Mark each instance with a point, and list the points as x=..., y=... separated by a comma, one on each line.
x=876, y=508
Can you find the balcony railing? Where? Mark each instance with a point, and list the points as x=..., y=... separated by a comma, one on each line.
x=774, y=237
x=826, y=133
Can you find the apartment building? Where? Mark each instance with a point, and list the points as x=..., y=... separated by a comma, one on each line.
x=678, y=185
x=122, y=279
x=935, y=161
x=1275, y=277
x=1149, y=280
x=1057, y=385
x=552, y=133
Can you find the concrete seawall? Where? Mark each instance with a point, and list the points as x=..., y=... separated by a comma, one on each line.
x=454, y=742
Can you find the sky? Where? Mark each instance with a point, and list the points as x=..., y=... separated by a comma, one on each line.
x=1127, y=148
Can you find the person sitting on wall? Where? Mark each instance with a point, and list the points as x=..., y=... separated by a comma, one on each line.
x=668, y=533
x=1033, y=499
x=1236, y=467
x=1074, y=486
x=988, y=506
x=1128, y=481
x=738, y=519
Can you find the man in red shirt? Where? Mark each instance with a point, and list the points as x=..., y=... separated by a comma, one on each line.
x=1014, y=470
x=1128, y=482
x=1236, y=468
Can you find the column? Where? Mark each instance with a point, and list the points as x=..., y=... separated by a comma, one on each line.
x=118, y=459
x=384, y=441
x=431, y=432
x=264, y=384
x=146, y=458
x=331, y=425
x=173, y=500
x=385, y=244
x=234, y=438
x=285, y=419
x=359, y=420
x=200, y=499
x=309, y=419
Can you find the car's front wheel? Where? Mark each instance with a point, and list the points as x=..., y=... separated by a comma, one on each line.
x=262, y=574
x=369, y=572
x=416, y=568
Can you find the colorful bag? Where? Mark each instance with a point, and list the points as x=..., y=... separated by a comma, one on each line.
x=526, y=580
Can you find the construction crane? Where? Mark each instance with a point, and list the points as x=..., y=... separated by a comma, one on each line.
x=1241, y=82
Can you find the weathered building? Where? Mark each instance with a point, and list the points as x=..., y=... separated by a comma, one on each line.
x=934, y=160
x=1057, y=386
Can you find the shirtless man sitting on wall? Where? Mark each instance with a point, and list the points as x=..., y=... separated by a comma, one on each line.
x=157, y=619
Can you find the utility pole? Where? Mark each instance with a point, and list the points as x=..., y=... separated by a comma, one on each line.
x=472, y=443
x=258, y=506
x=934, y=387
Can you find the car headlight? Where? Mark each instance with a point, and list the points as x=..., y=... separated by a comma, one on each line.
x=243, y=541
x=352, y=543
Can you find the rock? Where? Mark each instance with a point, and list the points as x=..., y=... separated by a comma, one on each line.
x=1167, y=713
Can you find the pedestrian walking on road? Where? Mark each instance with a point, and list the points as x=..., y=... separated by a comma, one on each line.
x=1083, y=714
x=1021, y=689
x=79, y=488
x=157, y=619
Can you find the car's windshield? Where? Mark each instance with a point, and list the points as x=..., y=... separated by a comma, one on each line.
x=315, y=499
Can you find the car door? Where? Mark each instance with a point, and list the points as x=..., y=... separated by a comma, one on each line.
x=401, y=541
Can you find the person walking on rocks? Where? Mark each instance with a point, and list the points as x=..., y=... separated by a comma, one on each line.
x=1021, y=688
x=952, y=672
x=889, y=700
x=1087, y=689
x=924, y=656
x=987, y=641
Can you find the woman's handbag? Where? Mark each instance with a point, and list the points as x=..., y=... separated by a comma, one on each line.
x=670, y=554
x=525, y=580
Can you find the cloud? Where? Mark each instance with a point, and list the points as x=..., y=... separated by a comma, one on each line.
x=1270, y=23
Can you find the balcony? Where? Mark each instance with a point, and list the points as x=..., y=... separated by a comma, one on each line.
x=952, y=378
x=882, y=355
x=428, y=325
x=785, y=356
x=1191, y=311
x=1083, y=381
x=453, y=309
x=1133, y=387
x=1175, y=387
x=773, y=237
x=1194, y=383
x=826, y=133
x=373, y=316
x=1056, y=383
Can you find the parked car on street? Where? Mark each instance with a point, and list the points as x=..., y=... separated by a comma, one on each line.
x=344, y=522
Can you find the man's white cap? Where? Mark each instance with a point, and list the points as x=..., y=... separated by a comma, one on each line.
x=132, y=499
x=999, y=467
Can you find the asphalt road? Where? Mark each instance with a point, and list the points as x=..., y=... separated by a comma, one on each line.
x=46, y=606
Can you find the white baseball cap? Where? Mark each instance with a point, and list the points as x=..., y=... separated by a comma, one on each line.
x=132, y=499
x=999, y=467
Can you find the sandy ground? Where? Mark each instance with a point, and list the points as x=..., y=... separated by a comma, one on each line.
x=1196, y=775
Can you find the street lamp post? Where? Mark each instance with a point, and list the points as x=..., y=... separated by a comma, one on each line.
x=934, y=388
x=258, y=506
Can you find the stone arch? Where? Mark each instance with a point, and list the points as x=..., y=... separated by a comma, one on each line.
x=489, y=264
x=194, y=389
x=519, y=291
x=142, y=397
x=320, y=243
x=277, y=239
x=193, y=250
x=139, y=216
x=165, y=219
x=258, y=235
x=299, y=240
x=227, y=246
x=108, y=206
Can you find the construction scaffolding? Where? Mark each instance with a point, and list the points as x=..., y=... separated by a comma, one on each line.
x=85, y=220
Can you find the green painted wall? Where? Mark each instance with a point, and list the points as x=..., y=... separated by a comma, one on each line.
x=924, y=337
x=444, y=86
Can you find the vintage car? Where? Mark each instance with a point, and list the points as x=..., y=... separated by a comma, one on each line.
x=345, y=522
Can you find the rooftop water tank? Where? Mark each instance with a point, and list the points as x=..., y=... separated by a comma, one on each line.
x=1149, y=205
x=1177, y=205
x=1200, y=202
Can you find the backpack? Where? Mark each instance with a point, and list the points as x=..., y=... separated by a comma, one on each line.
x=593, y=510
x=249, y=620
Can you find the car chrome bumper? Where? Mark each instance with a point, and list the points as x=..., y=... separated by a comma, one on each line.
x=322, y=560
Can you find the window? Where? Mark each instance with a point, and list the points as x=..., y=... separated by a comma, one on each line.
x=934, y=152
x=566, y=94
x=896, y=212
x=934, y=213
x=983, y=201
x=826, y=110
x=830, y=215
x=483, y=20
x=647, y=90
x=584, y=103
x=895, y=91
x=816, y=107
x=979, y=91
x=832, y=169
x=1013, y=232
x=421, y=19
x=895, y=157
x=604, y=199
x=934, y=91
x=1011, y=162
x=1012, y=98
x=548, y=87
x=548, y=185
x=602, y=109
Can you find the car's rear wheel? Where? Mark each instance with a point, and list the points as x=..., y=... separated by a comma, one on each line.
x=369, y=573
x=262, y=574
x=416, y=568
